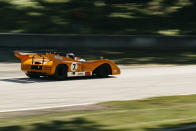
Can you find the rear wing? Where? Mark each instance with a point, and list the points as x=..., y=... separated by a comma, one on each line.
x=22, y=56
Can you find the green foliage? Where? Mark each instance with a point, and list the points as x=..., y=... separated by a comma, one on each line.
x=165, y=17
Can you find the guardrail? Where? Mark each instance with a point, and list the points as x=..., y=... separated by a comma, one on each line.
x=96, y=41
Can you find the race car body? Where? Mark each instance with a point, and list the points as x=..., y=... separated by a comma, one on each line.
x=60, y=67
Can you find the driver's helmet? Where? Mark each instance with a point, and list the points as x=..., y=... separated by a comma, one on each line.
x=70, y=55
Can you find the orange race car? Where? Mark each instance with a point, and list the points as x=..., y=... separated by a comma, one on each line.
x=62, y=66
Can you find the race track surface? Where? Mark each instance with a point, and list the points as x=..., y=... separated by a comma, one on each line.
x=17, y=92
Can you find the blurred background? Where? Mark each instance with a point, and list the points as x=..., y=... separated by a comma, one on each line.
x=124, y=17
x=126, y=31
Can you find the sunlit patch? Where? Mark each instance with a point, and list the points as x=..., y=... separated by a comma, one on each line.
x=191, y=55
x=34, y=14
x=23, y=2
x=57, y=1
x=169, y=32
x=99, y=3
x=122, y=15
x=112, y=52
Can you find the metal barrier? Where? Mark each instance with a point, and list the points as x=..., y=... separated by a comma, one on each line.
x=95, y=41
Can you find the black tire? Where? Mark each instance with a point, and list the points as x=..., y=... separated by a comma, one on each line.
x=60, y=72
x=32, y=75
x=103, y=71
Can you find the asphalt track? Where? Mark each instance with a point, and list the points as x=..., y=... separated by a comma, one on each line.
x=17, y=92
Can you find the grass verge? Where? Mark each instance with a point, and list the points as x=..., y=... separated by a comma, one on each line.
x=158, y=113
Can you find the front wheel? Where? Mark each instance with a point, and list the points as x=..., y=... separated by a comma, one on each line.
x=102, y=71
x=60, y=72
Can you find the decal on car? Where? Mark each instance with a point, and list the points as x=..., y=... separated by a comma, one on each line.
x=74, y=66
x=88, y=73
x=72, y=74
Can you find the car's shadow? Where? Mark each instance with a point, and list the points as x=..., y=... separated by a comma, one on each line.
x=46, y=79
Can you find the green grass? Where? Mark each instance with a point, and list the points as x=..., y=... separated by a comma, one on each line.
x=138, y=115
x=162, y=17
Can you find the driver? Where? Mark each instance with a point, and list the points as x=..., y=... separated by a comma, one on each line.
x=70, y=55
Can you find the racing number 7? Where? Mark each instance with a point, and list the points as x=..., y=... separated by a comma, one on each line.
x=74, y=66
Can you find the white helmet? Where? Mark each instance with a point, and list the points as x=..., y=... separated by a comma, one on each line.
x=70, y=55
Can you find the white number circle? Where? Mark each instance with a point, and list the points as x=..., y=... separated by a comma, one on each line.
x=74, y=66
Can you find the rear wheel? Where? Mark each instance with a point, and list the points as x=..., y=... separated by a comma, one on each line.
x=32, y=75
x=60, y=72
x=102, y=71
